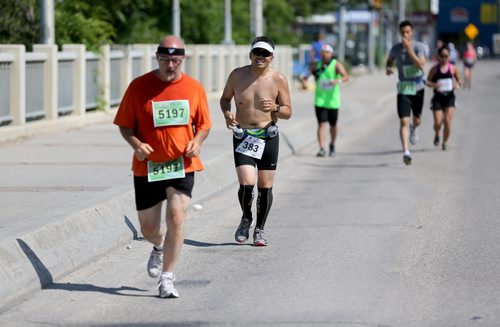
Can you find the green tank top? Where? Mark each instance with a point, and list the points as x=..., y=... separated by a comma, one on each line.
x=327, y=95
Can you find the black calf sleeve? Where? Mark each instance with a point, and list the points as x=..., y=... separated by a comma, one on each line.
x=264, y=202
x=245, y=195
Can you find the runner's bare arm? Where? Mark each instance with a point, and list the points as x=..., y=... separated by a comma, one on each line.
x=193, y=148
x=283, y=100
x=141, y=150
x=225, y=101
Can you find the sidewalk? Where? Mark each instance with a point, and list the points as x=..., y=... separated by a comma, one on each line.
x=67, y=197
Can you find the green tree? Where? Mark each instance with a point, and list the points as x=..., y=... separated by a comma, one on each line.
x=80, y=21
x=19, y=22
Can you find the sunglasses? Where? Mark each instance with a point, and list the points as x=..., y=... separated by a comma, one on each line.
x=165, y=60
x=261, y=53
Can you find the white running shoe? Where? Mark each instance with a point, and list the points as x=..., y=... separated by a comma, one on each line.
x=155, y=263
x=166, y=286
x=414, y=137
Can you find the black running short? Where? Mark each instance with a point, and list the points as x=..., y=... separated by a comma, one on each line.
x=410, y=103
x=148, y=194
x=324, y=115
x=442, y=101
x=269, y=160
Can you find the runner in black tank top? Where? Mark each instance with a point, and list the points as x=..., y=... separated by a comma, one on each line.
x=441, y=78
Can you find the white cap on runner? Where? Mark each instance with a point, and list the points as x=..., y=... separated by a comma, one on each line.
x=263, y=45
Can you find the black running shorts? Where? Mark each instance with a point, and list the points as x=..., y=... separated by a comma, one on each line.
x=410, y=103
x=148, y=194
x=269, y=160
x=442, y=101
x=324, y=115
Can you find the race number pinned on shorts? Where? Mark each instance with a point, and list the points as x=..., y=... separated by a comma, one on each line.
x=160, y=171
x=170, y=113
x=407, y=88
x=445, y=85
x=252, y=146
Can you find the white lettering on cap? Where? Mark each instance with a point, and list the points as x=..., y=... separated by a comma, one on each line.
x=263, y=45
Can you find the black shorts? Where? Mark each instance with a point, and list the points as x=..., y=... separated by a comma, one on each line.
x=468, y=64
x=324, y=115
x=410, y=103
x=148, y=194
x=269, y=159
x=442, y=101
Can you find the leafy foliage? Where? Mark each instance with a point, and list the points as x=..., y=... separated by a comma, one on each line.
x=19, y=22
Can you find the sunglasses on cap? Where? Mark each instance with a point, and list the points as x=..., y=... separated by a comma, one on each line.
x=261, y=52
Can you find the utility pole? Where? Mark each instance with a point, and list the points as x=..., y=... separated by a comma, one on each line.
x=228, y=26
x=256, y=10
x=342, y=30
x=402, y=10
x=176, y=18
x=47, y=30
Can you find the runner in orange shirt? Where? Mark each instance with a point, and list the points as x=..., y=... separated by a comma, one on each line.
x=164, y=116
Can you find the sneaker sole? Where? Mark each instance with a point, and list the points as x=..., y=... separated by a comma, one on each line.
x=260, y=244
x=170, y=296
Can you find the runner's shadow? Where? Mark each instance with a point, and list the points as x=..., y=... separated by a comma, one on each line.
x=76, y=287
x=47, y=281
x=206, y=245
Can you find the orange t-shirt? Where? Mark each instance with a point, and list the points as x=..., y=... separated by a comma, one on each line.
x=168, y=142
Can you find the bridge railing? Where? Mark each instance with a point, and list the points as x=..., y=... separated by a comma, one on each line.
x=47, y=84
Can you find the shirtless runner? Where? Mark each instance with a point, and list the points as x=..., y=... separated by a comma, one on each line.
x=261, y=96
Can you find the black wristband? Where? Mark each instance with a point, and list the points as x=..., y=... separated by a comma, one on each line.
x=277, y=108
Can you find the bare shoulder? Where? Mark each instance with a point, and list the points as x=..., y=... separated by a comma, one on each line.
x=278, y=76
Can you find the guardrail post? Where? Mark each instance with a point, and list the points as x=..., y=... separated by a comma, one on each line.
x=17, y=83
x=126, y=67
x=50, y=79
x=146, y=57
x=79, y=89
x=104, y=75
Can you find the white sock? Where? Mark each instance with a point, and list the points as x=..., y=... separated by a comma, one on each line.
x=406, y=152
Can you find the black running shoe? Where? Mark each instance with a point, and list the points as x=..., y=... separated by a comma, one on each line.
x=331, y=153
x=407, y=159
x=444, y=147
x=436, y=140
x=321, y=153
x=243, y=230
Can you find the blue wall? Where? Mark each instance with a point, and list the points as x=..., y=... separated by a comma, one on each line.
x=482, y=13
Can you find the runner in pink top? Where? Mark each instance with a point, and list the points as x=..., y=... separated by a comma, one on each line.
x=470, y=57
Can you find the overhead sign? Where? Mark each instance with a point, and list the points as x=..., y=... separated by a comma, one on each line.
x=459, y=15
x=471, y=31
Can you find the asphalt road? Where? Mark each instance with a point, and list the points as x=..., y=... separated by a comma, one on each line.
x=355, y=240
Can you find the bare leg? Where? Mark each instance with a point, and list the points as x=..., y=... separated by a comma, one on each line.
x=404, y=132
x=322, y=134
x=438, y=121
x=177, y=205
x=150, y=221
x=333, y=134
x=448, y=117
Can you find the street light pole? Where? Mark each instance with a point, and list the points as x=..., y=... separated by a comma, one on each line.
x=342, y=30
x=228, y=26
x=402, y=10
x=176, y=18
x=47, y=30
